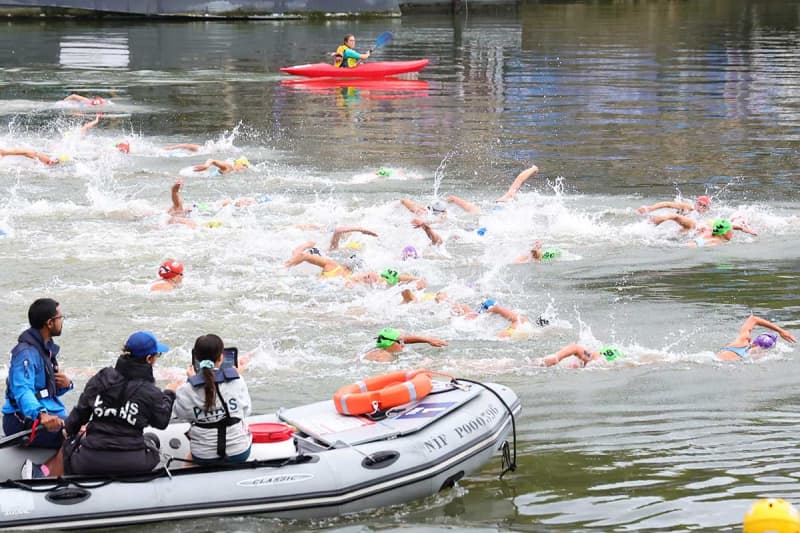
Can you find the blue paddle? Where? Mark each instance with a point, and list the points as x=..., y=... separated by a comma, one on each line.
x=382, y=39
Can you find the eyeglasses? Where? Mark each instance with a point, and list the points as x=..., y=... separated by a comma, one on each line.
x=62, y=317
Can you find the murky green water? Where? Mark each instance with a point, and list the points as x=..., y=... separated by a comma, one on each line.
x=619, y=104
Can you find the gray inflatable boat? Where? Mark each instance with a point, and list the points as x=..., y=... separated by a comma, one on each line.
x=331, y=465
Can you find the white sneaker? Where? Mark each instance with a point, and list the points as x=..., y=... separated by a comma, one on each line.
x=31, y=470
x=27, y=470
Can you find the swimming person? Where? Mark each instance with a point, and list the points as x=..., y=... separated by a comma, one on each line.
x=582, y=354
x=701, y=205
x=171, y=274
x=215, y=401
x=83, y=100
x=346, y=55
x=223, y=167
x=517, y=322
x=390, y=342
x=744, y=346
x=538, y=255
x=37, y=156
x=720, y=232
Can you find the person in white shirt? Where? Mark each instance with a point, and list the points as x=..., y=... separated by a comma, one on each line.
x=215, y=401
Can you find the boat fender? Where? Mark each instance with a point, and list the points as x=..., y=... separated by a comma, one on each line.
x=220, y=375
x=383, y=392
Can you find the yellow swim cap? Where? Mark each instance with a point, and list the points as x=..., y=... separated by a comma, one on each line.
x=242, y=161
x=63, y=158
x=213, y=224
x=772, y=515
x=353, y=245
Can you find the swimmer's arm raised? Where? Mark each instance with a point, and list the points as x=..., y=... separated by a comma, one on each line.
x=463, y=204
x=521, y=178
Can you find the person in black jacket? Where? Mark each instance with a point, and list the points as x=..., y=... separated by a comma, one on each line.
x=116, y=405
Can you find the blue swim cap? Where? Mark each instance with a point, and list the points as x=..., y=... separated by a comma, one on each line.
x=481, y=231
x=486, y=305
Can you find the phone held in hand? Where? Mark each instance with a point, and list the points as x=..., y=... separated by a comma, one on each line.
x=230, y=358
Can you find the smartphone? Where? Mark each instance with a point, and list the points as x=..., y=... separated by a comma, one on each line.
x=230, y=358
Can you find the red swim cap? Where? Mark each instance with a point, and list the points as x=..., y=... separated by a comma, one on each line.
x=704, y=200
x=170, y=269
x=123, y=147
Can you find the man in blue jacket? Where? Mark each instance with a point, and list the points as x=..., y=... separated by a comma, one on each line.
x=34, y=381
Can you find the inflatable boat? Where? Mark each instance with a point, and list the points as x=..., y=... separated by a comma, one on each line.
x=309, y=461
x=376, y=69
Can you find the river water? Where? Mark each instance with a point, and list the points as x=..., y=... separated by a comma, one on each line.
x=618, y=103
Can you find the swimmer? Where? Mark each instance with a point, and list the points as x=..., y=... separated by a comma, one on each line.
x=409, y=252
x=224, y=167
x=91, y=124
x=345, y=231
x=189, y=147
x=38, y=156
x=521, y=178
x=516, y=320
x=171, y=274
x=720, y=232
x=436, y=207
x=179, y=211
x=701, y=205
x=583, y=355
x=82, y=100
x=744, y=346
x=177, y=208
x=537, y=255
x=330, y=268
x=390, y=342
x=510, y=194
x=435, y=238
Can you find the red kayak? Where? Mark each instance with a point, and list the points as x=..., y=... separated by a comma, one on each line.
x=377, y=69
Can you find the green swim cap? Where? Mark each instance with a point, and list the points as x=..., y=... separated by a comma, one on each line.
x=610, y=353
x=550, y=254
x=391, y=276
x=387, y=337
x=384, y=172
x=721, y=227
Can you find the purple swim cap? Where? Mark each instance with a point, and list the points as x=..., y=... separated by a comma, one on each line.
x=765, y=340
x=409, y=252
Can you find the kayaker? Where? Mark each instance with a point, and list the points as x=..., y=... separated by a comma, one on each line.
x=349, y=57
x=215, y=402
x=115, y=407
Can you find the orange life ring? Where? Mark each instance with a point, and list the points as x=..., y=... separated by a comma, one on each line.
x=382, y=392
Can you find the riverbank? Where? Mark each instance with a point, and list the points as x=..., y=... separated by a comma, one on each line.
x=245, y=9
